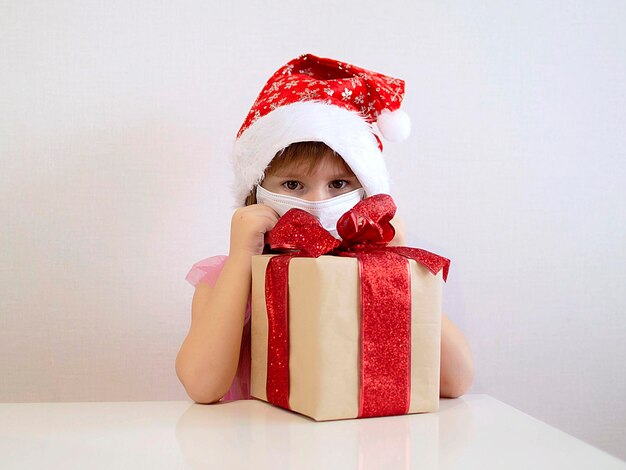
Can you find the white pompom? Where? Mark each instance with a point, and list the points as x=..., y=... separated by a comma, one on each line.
x=395, y=126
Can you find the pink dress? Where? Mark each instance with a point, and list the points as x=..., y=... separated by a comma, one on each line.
x=207, y=271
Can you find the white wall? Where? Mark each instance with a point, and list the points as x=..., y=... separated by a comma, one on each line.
x=115, y=124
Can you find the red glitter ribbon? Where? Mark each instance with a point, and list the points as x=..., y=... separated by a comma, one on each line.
x=385, y=330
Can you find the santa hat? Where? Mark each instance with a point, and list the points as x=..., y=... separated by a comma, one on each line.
x=317, y=99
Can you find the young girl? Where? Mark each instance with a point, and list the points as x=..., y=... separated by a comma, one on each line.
x=308, y=142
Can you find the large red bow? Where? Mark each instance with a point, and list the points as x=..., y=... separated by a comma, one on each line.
x=385, y=376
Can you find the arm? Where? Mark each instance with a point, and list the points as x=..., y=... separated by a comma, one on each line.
x=207, y=361
x=457, y=367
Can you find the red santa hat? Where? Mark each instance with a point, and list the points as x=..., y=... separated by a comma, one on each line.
x=317, y=99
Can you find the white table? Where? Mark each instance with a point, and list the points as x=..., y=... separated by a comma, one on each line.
x=475, y=431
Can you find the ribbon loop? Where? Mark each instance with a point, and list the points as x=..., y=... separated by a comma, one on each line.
x=298, y=230
x=368, y=223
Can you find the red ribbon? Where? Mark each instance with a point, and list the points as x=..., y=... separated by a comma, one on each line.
x=385, y=330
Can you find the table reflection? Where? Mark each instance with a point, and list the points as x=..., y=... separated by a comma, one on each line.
x=257, y=433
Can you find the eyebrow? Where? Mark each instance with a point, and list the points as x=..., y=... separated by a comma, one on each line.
x=298, y=175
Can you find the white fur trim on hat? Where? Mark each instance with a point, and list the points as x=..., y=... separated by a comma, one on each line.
x=346, y=132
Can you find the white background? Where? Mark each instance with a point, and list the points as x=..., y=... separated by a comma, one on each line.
x=116, y=120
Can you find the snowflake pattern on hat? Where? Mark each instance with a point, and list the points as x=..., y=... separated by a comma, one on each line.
x=322, y=100
x=312, y=78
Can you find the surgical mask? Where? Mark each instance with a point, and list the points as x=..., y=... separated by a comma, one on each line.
x=327, y=211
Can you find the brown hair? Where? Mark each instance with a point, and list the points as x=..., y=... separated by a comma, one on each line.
x=308, y=154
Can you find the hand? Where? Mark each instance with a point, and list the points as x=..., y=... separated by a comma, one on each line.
x=248, y=227
x=400, y=237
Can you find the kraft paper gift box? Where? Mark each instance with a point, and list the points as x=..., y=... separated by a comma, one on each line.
x=324, y=334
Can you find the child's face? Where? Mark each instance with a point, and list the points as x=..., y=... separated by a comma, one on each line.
x=327, y=180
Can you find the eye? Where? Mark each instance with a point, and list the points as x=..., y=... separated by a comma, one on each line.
x=291, y=185
x=339, y=184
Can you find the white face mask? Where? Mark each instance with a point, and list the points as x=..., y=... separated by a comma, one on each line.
x=327, y=211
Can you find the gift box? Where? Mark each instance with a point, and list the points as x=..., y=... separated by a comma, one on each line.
x=352, y=333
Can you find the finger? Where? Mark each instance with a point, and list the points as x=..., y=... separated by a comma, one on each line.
x=268, y=221
x=267, y=209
